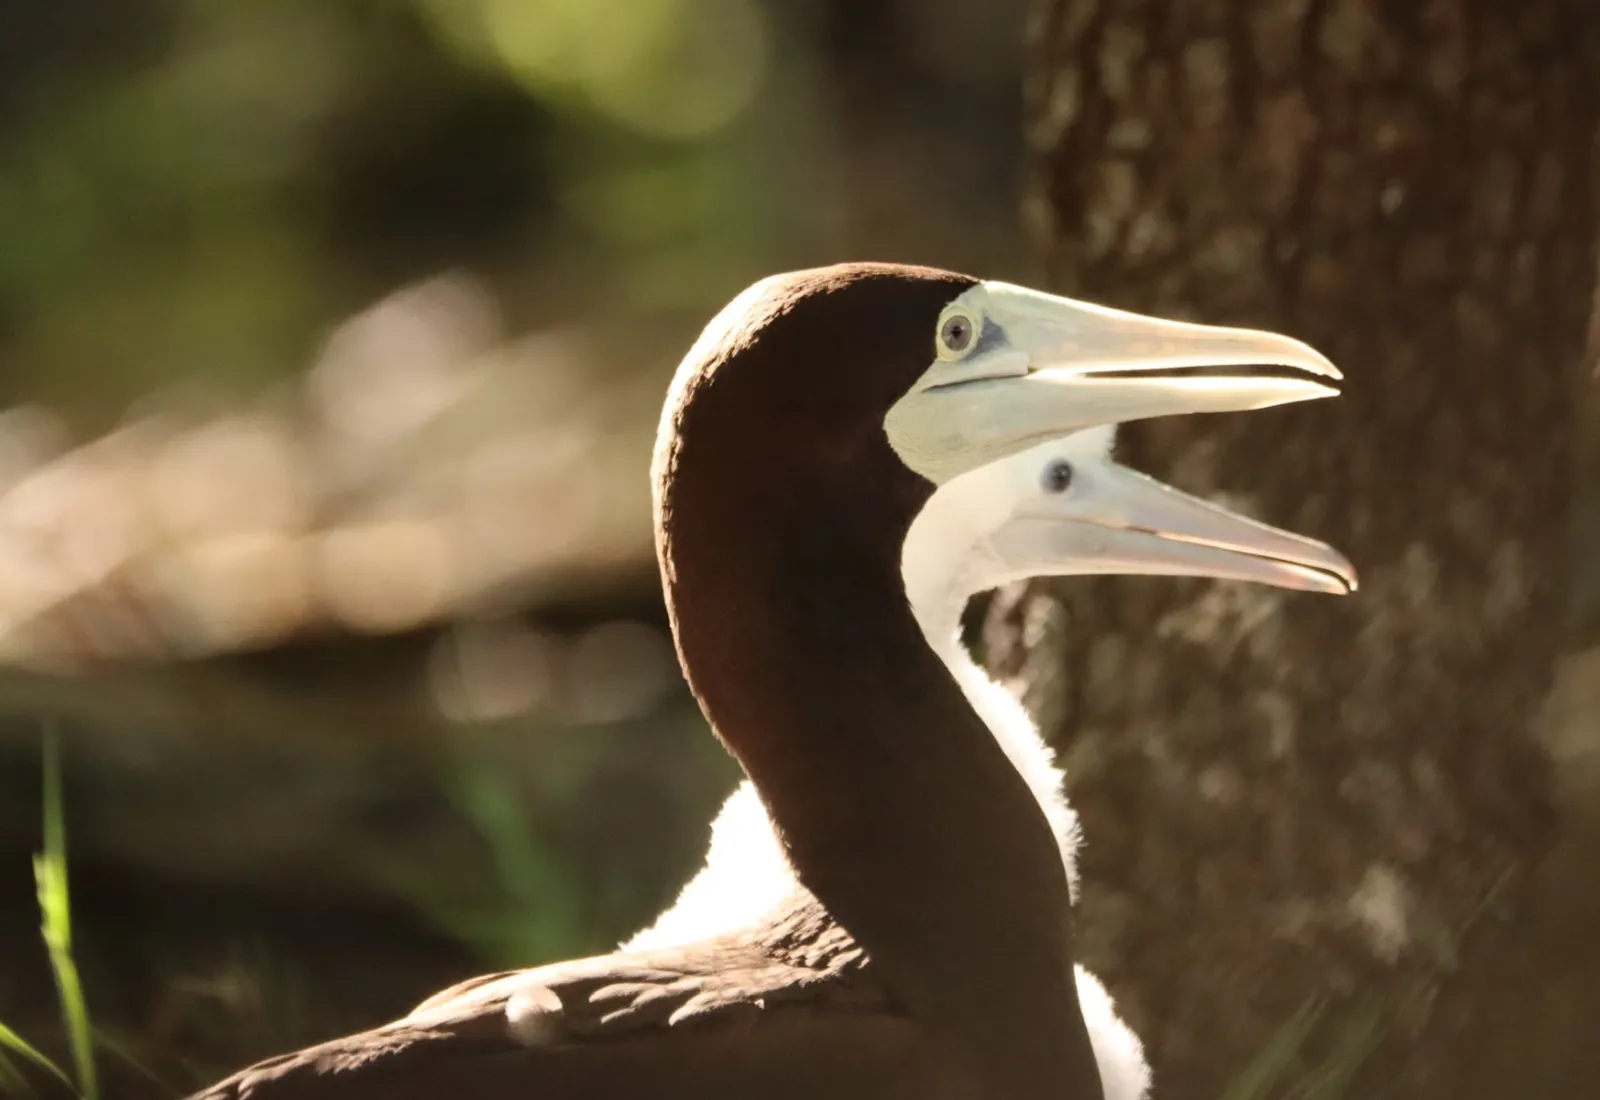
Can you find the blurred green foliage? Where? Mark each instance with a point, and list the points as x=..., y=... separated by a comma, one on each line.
x=201, y=207
x=674, y=68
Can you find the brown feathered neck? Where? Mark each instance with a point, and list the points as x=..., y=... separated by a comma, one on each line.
x=780, y=514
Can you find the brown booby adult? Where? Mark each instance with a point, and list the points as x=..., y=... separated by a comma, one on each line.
x=929, y=955
x=1061, y=508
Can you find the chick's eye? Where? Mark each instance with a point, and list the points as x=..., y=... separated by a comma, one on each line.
x=956, y=333
x=1057, y=477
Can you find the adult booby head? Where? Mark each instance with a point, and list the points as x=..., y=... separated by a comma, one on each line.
x=1014, y=366
x=803, y=434
x=998, y=368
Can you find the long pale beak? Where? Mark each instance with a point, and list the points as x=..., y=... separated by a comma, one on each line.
x=1042, y=366
x=1114, y=520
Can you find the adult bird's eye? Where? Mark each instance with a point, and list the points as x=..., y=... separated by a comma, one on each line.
x=956, y=333
x=1057, y=476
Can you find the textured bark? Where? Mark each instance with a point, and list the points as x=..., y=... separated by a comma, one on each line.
x=1288, y=797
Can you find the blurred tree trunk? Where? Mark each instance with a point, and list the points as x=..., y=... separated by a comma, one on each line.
x=1291, y=799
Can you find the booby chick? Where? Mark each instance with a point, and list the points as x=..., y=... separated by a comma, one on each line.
x=1019, y=517
x=929, y=954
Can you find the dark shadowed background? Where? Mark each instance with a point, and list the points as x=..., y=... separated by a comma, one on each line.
x=332, y=339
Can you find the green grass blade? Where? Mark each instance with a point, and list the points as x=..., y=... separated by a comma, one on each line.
x=10, y=1040
x=1356, y=1041
x=12, y=1082
x=539, y=919
x=1255, y=1081
x=55, y=907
